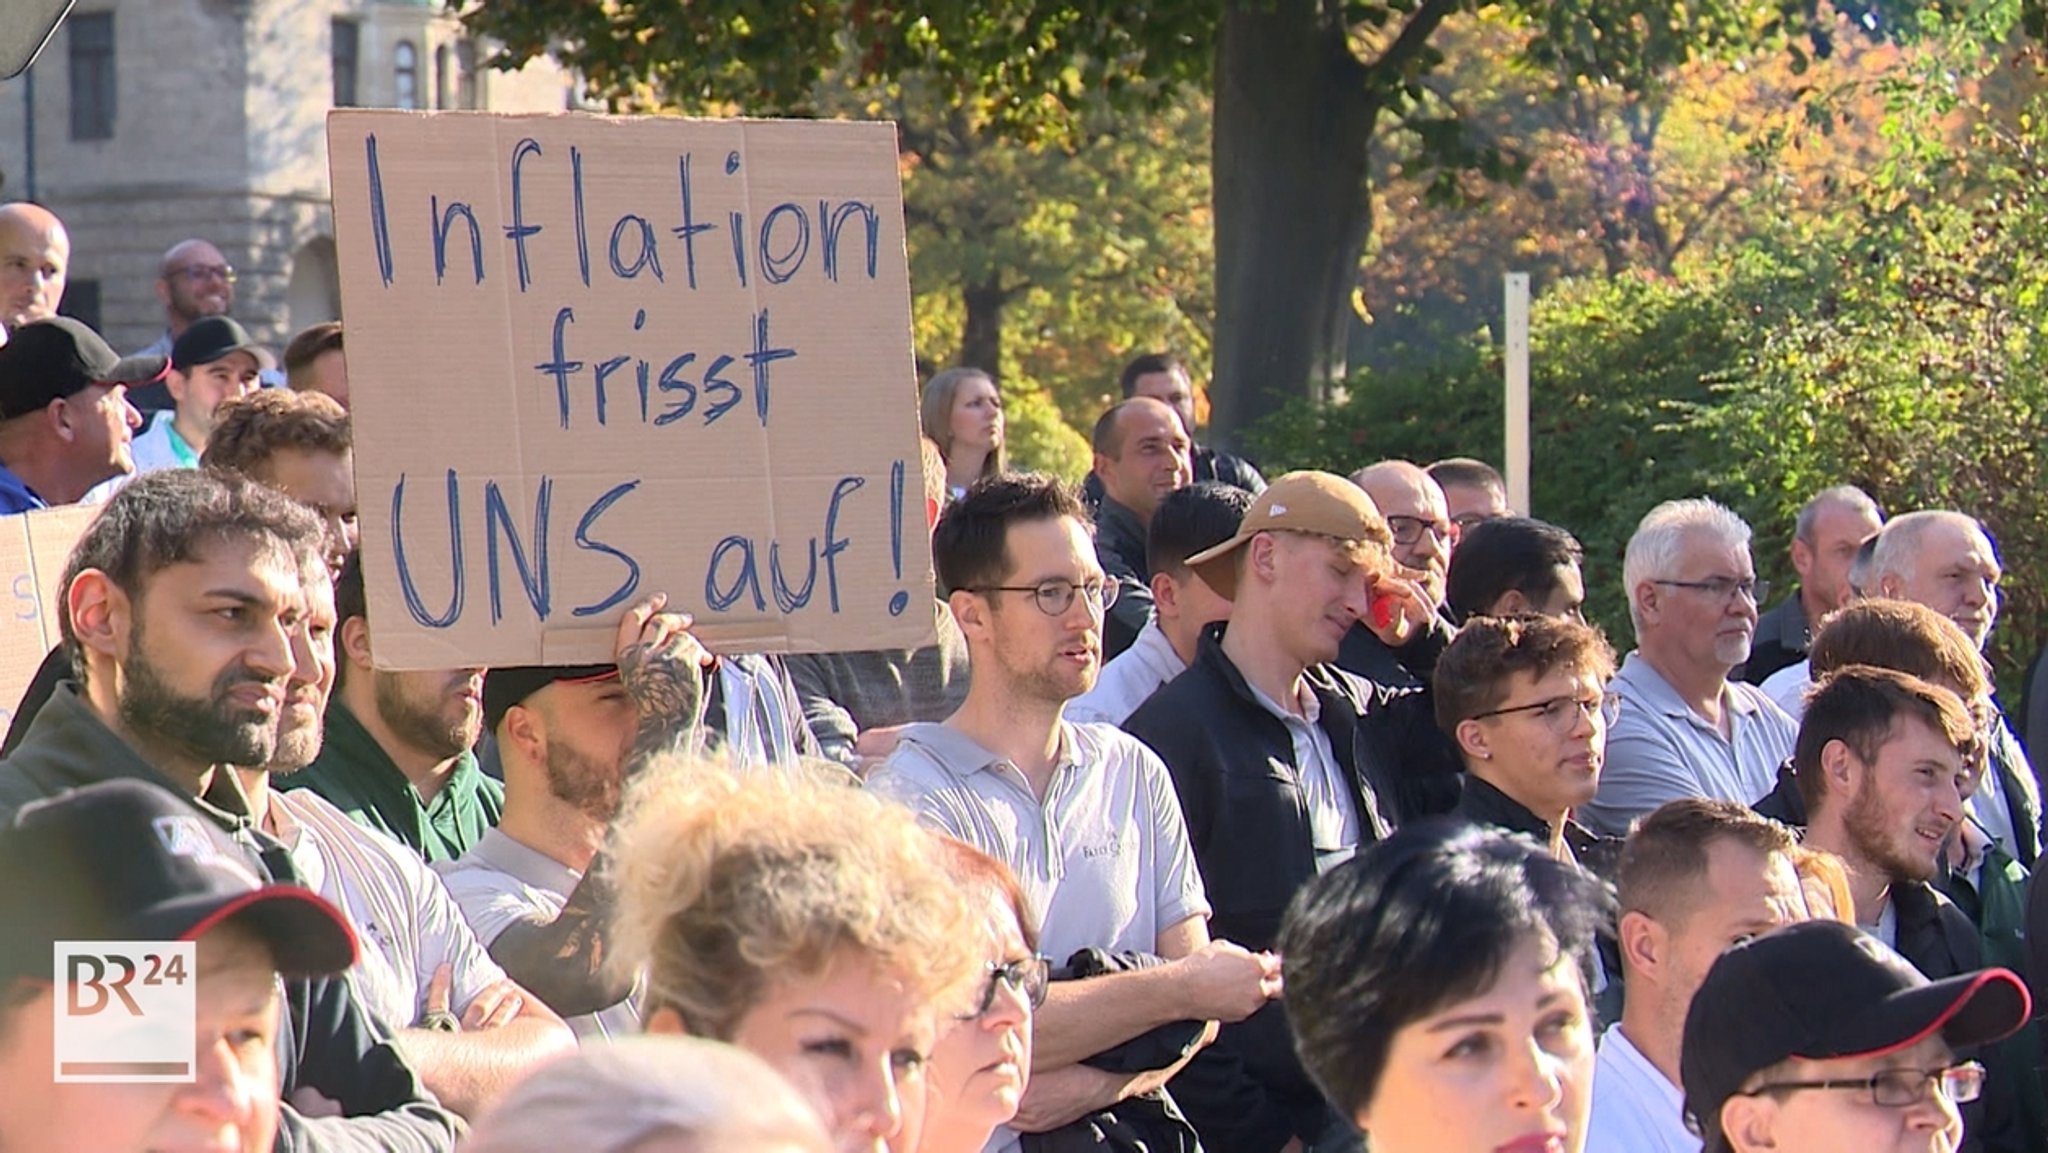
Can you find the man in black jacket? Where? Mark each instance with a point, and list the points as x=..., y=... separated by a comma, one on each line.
x=1141, y=455
x=185, y=604
x=1282, y=777
x=1882, y=763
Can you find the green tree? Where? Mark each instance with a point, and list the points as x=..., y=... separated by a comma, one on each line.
x=1304, y=91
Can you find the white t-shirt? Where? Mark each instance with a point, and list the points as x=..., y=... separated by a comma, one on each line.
x=1636, y=1109
x=406, y=923
x=499, y=883
x=1787, y=688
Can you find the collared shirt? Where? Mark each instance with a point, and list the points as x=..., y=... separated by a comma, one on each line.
x=360, y=778
x=1659, y=750
x=1332, y=818
x=1104, y=859
x=161, y=446
x=761, y=719
x=406, y=922
x=16, y=496
x=1636, y=1109
x=1128, y=679
x=500, y=883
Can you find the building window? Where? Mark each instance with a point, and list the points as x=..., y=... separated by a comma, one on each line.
x=465, y=74
x=348, y=37
x=405, y=74
x=444, y=83
x=92, y=75
x=81, y=302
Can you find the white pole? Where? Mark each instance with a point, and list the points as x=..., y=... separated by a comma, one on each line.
x=1518, y=392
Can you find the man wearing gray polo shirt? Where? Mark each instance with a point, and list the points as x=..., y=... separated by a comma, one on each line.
x=1084, y=814
x=1685, y=730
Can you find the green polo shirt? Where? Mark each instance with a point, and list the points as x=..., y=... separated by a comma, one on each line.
x=355, y=774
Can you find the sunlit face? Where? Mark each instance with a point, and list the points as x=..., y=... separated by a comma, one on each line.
x=103, y=425
x=1548, y=768
x=1508, y=1071
x=35, y=253
x=300, y=727
x=1956, y=574
x=209, y=653
x=854, y=1041
x=203, y=388
x=1468, y=504
x=1414, y=504
x=1847, y=1120
x=977, y=422
x=198, y=282
x=1906, y=802
x=979, y=1068
x=230, y=1107
x=1704, y=628
x=1320, y=590
x=1151, y=461
x=588, y=728
x=438, y=713
x=1171, y=389
x=1745, y=893
x=324, y=482
x=1823, y=564
x=1043, y=657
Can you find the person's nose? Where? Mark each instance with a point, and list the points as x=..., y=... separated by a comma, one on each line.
x=868, y=1102
x=219, y=1093
x=1534, y=1077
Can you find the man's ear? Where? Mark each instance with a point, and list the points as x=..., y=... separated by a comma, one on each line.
x=355, y=642
x=102, y=617
x=1643, y=942
x=1838, y=767
x=163, y=291
x=525, y=730
x=1646, y=600
x=1261, y=559
x=1802, y=558
x=1510, y=603
x=1889, y=585
x=1165, y=595
x=1750, y=1123
x=1474, y=740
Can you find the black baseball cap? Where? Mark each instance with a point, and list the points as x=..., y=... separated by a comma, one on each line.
x=125, y=860
x=55, y=358
x=1821, y=990
x=207, y=340
x=506, y=687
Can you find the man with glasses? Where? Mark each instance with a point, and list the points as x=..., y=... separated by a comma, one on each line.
x=1685, y=730
x=1884, y=762
x=1527, y=702
x=1816, y=1038
x=194, y=282
x=1474, y=491
x=1083, y=814
x=1284, y=762
x=1419, y=522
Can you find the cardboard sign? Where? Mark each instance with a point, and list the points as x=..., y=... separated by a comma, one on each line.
x=594, y=357
x=34, y=547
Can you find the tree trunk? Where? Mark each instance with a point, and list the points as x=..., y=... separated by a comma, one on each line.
x=1293, y=125
x=981, y=336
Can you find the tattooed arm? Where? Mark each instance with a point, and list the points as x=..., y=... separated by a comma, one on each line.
x=562, y=961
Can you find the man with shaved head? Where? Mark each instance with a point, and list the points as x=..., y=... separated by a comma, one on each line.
x=194, y=282
x=1420, y=520
x=35, y=251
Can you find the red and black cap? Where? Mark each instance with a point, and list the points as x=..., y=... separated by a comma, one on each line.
x=1823, y=990
x=126, y=860
x=506, y=687
x=52, y=359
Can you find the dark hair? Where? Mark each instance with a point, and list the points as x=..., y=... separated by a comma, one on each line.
x=970, y=547
x=1903, y=636
x=1664, y=861
x=1411, y=926
x=1861, y=706
x=1146, y=365
x=1503, y=555
x=1466, y=472
x=1189, y=520
x=308, y=346
x=167, y=517
x=351, y=600
x=1472, y=674
x=249, y=431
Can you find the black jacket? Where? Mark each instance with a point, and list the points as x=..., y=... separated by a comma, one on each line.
x=1426, y=779
x=1781, y=641
x=1120, y=545
x=1209, y=464
x=330, y=1042
x=1941, y=942
x=1484, y=804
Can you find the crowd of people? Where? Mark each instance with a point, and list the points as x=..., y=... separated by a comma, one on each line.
x=1299, y=817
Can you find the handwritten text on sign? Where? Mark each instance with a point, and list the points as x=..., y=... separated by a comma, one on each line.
x=596, y=357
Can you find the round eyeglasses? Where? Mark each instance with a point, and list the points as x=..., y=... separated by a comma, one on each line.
x=1055, y=597
x=1560, y=714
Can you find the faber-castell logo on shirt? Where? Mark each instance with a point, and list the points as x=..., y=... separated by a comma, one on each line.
x=1109, y=848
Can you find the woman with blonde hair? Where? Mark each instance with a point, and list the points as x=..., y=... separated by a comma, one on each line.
x=804, y=921
x=963, y=414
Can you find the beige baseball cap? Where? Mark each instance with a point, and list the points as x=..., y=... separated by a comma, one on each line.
x=1321, y=503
